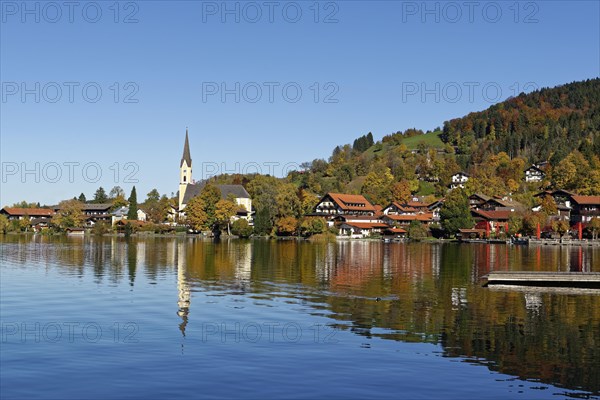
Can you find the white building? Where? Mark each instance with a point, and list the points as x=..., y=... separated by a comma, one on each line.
x=459, y=180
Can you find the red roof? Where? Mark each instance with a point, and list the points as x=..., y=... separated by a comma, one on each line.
x=32, y=212
x=408, y=218
x=396, y=230
x=492, y=215
x=366, y=225
x=351, y=202
x=587, y=200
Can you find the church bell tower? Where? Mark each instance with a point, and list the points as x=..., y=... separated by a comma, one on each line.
x=185, y=170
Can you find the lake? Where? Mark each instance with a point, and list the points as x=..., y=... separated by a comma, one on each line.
x=93, y=317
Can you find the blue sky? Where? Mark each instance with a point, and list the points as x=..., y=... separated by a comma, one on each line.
x=259, y=84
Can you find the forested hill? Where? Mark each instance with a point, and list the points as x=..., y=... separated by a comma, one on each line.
x=543, y=125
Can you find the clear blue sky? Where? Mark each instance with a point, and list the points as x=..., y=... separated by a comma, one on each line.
x=386, y=65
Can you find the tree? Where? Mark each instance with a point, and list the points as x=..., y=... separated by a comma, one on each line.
x=561, y=226
x=417, y=231
x=116, y=191
x=515, y=223
x=100, y=196
x=548, y=206
x=224, y=211
x=594, y=227
x=455, y=213
x=531, y=221
x=312, y=226
x=401, y=192
x=377, y=186
x=263, y=222
x=3, y=223
x=133, y=206
x=156, y=207
x=82, y=198
x=69, y=215
x=196, y=215
x=241, y=228
x=210, y=196
x=286, y=226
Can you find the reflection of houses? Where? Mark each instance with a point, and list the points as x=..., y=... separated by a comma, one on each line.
x=188, y=189
x=344, y=204
x=458, y=180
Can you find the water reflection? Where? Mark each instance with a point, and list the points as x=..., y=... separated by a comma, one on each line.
x=404, y=292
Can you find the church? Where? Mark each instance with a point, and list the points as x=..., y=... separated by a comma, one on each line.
x=188, y=188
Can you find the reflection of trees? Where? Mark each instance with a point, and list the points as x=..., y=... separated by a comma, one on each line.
x=428, y=292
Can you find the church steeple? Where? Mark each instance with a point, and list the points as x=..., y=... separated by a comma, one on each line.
x=185, y=171
x=186, y=151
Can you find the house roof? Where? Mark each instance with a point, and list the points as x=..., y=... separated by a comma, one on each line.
x=492, y=215
x=507, y=203
x=193, y=190
x=408, y=218
x=350, y=202
x=480, y=196
x=32, y=212
x=534, y=167
x=396, y=230
x=366, y=225
x=586, y=200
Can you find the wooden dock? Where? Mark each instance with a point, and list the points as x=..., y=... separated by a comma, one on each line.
x=590, y=280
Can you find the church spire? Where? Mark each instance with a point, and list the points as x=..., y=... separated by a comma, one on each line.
x=186, y=151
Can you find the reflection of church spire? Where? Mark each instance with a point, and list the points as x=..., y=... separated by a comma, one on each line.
x=184, y=295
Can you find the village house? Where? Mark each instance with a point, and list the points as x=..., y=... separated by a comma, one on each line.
x=476, y=200
x=492, y=221
x=344, y=204
x=534, y=173
x=584, y=208
x=121, y=214
x=14, y=213
x=563, y=200
x=459, y=180
x=361, y=229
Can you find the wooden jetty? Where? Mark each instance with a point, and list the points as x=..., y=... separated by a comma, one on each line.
x=590, y=280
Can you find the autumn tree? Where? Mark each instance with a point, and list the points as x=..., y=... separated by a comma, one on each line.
x=378, y=185
x=455, y=213
x=196, y=215
x=3, y=223
x=69, y=215
x=224, y=211
x=241, y=228
x=594, y=227
x=401, y=192
x=286, y=226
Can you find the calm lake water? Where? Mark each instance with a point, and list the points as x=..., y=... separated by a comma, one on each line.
x=181, y=317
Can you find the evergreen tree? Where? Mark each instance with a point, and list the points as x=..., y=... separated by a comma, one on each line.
x=133, y=205
x=100, y=196
x=263, y=223
x=455, y=214
x=82, y=198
